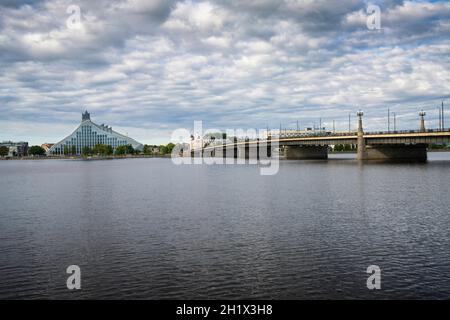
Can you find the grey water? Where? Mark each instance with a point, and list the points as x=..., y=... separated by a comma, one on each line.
x=148, y=229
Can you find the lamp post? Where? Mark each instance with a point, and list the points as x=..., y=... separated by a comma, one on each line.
x=361, y=142
x=349, y=124
x=443, y=124
x=389, y=120
x=360, y=115
x=422, y=115
x=395, y=121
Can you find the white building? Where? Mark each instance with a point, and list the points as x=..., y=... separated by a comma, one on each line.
x=16, y=149
x=89, y=134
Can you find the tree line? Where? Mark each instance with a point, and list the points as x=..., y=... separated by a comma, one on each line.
x=4, y=151
x=102, y=150
x=107, y=150
x=161, y=150
x=344, y=147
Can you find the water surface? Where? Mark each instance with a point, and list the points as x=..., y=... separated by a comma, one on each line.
x=147, y=229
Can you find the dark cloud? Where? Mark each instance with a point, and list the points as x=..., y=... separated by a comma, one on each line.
x=18, y=3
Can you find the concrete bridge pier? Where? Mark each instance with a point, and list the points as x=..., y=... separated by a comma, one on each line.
x=231, y=152
x=209, y=153
x=196, y=153
x=235, y=149
x=265, y=151
x=253, y=153
x=243, y=151
x=396, y=152
x=268, y=149
x=221, y=152
x=306, y=152
x=249, y=151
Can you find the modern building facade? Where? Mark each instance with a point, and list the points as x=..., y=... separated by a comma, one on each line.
x=89, y=134
x=16, y=149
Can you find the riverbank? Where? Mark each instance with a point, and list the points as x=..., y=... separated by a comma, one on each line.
x=58, y=213
x=86, y=158
x=147, y=156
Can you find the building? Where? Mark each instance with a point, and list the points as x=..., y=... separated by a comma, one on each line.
x=89, y=134
x=152, y=149
x=47, y=146
x=16, y=149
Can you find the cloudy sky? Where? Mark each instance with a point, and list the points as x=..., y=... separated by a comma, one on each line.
x=147, y=67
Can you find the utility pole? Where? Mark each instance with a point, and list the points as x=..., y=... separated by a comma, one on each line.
x=389, y=120
x=297, y=126
x=320, y=124
x=440, y=119
x=443, y=124
x=334, y=127
x=395, y=124
x=349, y=123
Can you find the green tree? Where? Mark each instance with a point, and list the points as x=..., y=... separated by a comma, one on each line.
x=4, y=151
x=170, y=147
x=36, y=151
x=162, y=149
x=436, y=146
x=102, y=149
x=338, y=148
x=120, y=150
x=96, y=149
x=86, y=151
x=349, y=147
x=148, y=150
x=130, y=149
x=126, y=149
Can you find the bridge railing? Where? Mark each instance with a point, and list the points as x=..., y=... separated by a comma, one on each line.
x=406, y=131
x=352, y=133
x=314, y=134
x=219, y=142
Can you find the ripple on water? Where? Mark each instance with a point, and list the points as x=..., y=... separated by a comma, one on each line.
x=146, y=229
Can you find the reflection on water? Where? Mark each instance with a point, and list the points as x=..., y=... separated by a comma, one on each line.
x=144, y=228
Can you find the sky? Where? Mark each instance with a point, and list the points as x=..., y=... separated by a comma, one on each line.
x=149, y=67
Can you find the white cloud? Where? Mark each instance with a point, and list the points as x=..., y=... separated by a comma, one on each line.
x=148, y=67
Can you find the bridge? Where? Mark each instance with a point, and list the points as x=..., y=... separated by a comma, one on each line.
x=410, y=145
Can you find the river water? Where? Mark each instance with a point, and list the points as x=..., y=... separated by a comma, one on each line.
x=148, y=229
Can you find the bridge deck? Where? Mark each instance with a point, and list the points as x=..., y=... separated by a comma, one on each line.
x=429, y=136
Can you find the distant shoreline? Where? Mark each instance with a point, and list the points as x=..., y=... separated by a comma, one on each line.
x=148, y=156
x=86, y=158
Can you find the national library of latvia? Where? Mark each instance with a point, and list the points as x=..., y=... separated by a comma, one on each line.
x=89, y=134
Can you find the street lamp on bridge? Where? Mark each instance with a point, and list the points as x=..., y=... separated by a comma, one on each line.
x=395, y=121
x=360, y=115
x=360, y=141
x=422, y=115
